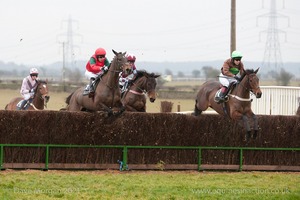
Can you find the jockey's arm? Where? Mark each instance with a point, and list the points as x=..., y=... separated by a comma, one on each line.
x=225, y=70
x=93, y=67
x=24, y=87
x=106, y=62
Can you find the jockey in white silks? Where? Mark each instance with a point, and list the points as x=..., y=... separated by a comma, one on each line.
x=28, y=87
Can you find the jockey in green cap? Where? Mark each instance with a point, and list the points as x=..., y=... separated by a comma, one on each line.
x=230, y=73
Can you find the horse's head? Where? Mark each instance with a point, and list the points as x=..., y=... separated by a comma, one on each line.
x=253, y=82
x=127, y=68
x=150, y=85
x=119, y=61
x=42, y=90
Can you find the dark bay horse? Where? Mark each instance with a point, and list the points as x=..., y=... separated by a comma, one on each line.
x=134, y=99
x=107, y=95
x=39, y=100
x=238, y=107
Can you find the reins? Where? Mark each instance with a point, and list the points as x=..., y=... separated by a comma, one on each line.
x=246, y=88
x=40, y=97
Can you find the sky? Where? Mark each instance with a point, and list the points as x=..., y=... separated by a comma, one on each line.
x=33, y=32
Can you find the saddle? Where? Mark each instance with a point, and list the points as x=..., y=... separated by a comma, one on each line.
x=217, y=95
x=94, y=85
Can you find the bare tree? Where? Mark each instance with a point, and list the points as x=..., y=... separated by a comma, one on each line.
x=196, y=73
x=283, y=78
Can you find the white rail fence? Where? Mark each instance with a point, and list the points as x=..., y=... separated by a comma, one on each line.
x=277, y=100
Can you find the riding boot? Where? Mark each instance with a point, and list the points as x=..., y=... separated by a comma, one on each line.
x=91, y=87
x=22, y=105
x=222, y=94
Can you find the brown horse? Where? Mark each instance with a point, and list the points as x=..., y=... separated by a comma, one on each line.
x=107, y=95
x=39, y=100
x=134, y=99
x=239, y=104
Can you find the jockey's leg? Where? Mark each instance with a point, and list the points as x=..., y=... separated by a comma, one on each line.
x=223, y=93
x=22, y=105
x=91, y=85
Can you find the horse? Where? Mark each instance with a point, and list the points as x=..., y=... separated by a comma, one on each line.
x=134, y=99
x=38, y=102
x=107, y=95
x=238, y=106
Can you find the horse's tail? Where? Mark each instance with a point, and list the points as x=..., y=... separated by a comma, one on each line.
x=68, y=98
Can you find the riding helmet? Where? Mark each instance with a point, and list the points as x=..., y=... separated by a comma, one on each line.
x=100, y=51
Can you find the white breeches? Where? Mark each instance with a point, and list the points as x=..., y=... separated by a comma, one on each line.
x=27, y=95
x=226, y=80
x=90, y=75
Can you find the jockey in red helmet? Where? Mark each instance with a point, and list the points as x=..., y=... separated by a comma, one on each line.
x=127, y=76
x=230, y=73
x=96, y=66
x=28, y=87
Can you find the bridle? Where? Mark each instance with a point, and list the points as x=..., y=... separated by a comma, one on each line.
x=119, y=64
x=247, y=88
x=43, y=97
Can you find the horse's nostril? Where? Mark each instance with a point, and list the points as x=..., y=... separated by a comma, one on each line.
x=152, y=100
x=258, y=95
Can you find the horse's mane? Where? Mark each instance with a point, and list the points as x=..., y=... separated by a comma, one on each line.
x=247, y=71
x=41, y=81
x=141, y=73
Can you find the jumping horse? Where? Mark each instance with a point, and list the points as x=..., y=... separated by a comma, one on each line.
x=107, y=95
x=238, y=106
x=38, y=102
x=144, y=83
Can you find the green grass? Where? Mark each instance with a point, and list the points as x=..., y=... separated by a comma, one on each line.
x=34, y=184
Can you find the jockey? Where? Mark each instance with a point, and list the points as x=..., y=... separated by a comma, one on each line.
x=126, y=77
x=230, y=73
x=28, y=87
x=97, y=66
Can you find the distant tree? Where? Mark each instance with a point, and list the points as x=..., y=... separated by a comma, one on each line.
x=196, y=73
x=180, y=74
x=210, y=72
x=160, y=82
x=283, y=78
x=168, y=72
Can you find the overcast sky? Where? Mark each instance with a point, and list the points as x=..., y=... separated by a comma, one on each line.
x=32, y=31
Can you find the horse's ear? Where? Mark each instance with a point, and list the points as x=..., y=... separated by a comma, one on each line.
x=256, y=70
x=156, y=75
x=114, y=52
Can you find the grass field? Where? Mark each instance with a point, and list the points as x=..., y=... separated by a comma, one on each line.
x=57, y=101
x=34, y=184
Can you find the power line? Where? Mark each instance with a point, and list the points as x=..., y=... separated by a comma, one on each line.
x=272, y=55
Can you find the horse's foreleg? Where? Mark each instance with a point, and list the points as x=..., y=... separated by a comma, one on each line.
x=255, y=126
x=247, y=126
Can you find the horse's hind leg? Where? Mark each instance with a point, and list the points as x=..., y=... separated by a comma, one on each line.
x=247, y=126
x=196, y=110
x=255, y=126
